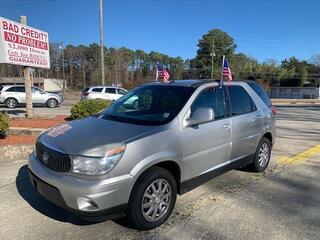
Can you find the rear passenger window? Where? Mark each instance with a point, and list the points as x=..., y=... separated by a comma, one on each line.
x=16, y=89
x=241, y=102
x=261, y=93
x=110, y=90
x=97, y=90
x=213, y=98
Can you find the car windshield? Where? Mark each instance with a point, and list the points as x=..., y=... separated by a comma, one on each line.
x=149, y=105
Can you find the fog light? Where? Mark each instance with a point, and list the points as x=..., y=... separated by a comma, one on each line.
x=86, y=204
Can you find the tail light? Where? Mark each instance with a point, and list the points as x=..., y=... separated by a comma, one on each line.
x=274, y=110
x=86, y=94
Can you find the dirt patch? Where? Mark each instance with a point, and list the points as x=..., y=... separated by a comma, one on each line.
x=14, y=140
x=37, y=122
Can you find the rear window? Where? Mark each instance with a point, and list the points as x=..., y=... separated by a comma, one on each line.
x=1, y=88
x=85, y=89
x=261, y=93
x=96, y=90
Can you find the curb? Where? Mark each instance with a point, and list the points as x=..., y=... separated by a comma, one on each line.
x=295, y=101
x=25, y=131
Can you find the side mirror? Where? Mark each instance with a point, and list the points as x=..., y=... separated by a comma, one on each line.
x=201, y=115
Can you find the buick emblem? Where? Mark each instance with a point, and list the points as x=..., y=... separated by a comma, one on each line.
x=45, y=157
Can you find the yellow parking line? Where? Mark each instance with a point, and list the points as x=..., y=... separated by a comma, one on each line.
x=300, y=157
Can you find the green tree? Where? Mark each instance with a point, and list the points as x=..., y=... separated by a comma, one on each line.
x=223, y=45
x=298, y=72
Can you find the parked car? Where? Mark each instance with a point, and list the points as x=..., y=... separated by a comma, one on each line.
x=104, y=92
x=133, y=159
x=12, y=95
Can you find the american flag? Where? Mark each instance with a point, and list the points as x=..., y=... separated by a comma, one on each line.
x=162, y=73
x=226, y=71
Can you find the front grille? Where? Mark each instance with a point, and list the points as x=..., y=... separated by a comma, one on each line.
x=57, y=161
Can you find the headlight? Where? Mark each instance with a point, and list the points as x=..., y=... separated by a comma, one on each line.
x=98, y=165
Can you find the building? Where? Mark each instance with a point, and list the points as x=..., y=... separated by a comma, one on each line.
x=294, y=92
x=47, y=84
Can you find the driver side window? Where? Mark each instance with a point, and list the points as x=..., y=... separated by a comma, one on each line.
x=36, y=90
x=212, y=97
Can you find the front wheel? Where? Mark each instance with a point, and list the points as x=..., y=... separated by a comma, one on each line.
x=152, y=200
x=52, y=103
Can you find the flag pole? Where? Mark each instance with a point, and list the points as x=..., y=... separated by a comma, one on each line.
x=221, y=78
x=156, y=72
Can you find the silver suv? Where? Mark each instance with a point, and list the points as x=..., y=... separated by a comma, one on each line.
x=12, y=95
x=133, y=159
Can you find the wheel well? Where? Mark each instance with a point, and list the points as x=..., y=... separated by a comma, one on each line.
x=269, y=136
x=52, y=98
x=12, y=98
x=174, y=169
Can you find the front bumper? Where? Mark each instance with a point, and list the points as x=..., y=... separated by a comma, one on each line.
x=85, y=197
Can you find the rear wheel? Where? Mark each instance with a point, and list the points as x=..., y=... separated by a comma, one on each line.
x=262, y=156
x=52, y=103
x=11, y=102
x=152, y=200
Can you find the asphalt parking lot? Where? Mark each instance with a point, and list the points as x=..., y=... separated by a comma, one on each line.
x=282, y=203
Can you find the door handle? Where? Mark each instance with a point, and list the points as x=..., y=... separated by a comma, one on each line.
x=226, y=125
x=256, y=118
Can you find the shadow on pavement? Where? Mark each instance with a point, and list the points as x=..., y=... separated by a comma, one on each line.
x=28, y=193
x=15, y=112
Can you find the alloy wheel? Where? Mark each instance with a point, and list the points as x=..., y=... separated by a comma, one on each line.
x=11, y=103
x=52, y=103
x=156, y=200
x=263, y=155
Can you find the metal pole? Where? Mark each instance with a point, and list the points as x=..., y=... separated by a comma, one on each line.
x=221, y=79
x=212, y=57
x=27, y=81
x=101, y=42
x=63, y=72
x=157, y=73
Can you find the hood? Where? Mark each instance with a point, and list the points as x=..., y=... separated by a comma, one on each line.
x=91, y=136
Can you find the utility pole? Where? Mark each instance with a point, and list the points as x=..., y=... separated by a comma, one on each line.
x=63, y=71
x=27, y=81
x=212, y=57
x=101, y=42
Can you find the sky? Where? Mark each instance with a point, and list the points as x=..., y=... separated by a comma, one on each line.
x=262, y=29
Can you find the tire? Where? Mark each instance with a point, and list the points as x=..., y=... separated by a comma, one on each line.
x=139, y=216
x=11, y=103
x=262, y=156
x=52, y=103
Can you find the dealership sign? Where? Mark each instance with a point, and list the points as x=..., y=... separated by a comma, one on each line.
x=23, y=45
